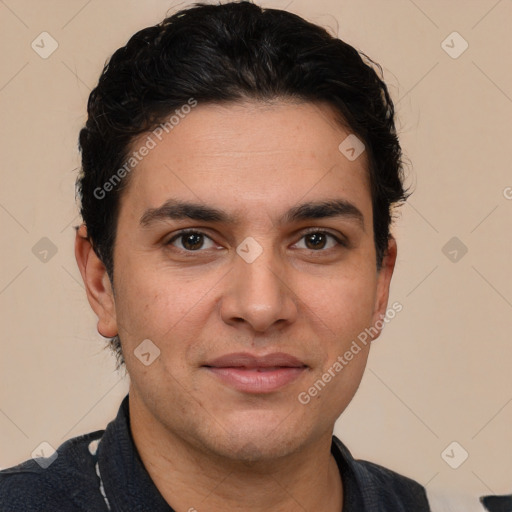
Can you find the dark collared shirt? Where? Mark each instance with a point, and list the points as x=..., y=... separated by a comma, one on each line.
x=102, y=471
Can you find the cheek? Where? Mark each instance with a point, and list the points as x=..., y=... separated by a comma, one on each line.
x=149, y=305
x=343, y=304
x=172, y=317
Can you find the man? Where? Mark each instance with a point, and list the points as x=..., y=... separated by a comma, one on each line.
x=239, y=168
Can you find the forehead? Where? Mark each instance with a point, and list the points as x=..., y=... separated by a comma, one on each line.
x=249, y=156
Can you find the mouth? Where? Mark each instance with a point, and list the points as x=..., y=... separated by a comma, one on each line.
x=253, y=374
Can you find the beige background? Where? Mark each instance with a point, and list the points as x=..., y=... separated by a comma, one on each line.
x=442, y=370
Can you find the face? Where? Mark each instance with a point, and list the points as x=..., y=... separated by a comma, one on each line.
x=245, y=253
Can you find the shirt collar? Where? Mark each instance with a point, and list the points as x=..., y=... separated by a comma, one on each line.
x=128, y=485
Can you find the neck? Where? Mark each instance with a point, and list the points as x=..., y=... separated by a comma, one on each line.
x=193, y=479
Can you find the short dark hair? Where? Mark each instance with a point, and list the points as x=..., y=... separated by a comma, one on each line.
x=228, y=53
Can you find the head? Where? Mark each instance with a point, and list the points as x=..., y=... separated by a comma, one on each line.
x=231, y=121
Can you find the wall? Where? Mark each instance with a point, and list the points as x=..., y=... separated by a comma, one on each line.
x=440, y=372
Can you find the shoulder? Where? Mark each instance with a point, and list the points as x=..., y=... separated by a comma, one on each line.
x=387, y=485
x=442, y=501
x=59, y=482
x=381, y=488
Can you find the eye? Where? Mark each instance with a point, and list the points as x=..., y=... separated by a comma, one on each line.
x=191, y=241
x=317, y=240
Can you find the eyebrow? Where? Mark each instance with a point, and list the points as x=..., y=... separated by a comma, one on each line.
x=177, y=210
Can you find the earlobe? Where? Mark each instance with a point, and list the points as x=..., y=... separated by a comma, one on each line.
x=383, y=283
x=97, y=283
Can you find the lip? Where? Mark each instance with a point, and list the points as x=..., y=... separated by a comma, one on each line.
x=256, y=374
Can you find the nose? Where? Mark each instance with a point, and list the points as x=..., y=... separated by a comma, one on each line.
x=259, y=294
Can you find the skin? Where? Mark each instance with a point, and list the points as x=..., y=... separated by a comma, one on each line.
x=205, y=444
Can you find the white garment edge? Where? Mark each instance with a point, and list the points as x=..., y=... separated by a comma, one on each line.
x=93, y=449
x=442, y=501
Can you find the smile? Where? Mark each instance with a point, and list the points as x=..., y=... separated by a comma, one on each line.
x=252, y=374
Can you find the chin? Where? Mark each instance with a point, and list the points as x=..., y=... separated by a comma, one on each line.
x=258, y=449
x=260, y=439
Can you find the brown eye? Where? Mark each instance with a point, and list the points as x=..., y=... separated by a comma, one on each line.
x=318, y=240
x=191, y=241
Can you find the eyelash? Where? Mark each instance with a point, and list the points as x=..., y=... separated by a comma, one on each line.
x=311, y=231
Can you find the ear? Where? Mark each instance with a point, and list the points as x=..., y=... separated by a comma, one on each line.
x=97, y=284
x=383, y=282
